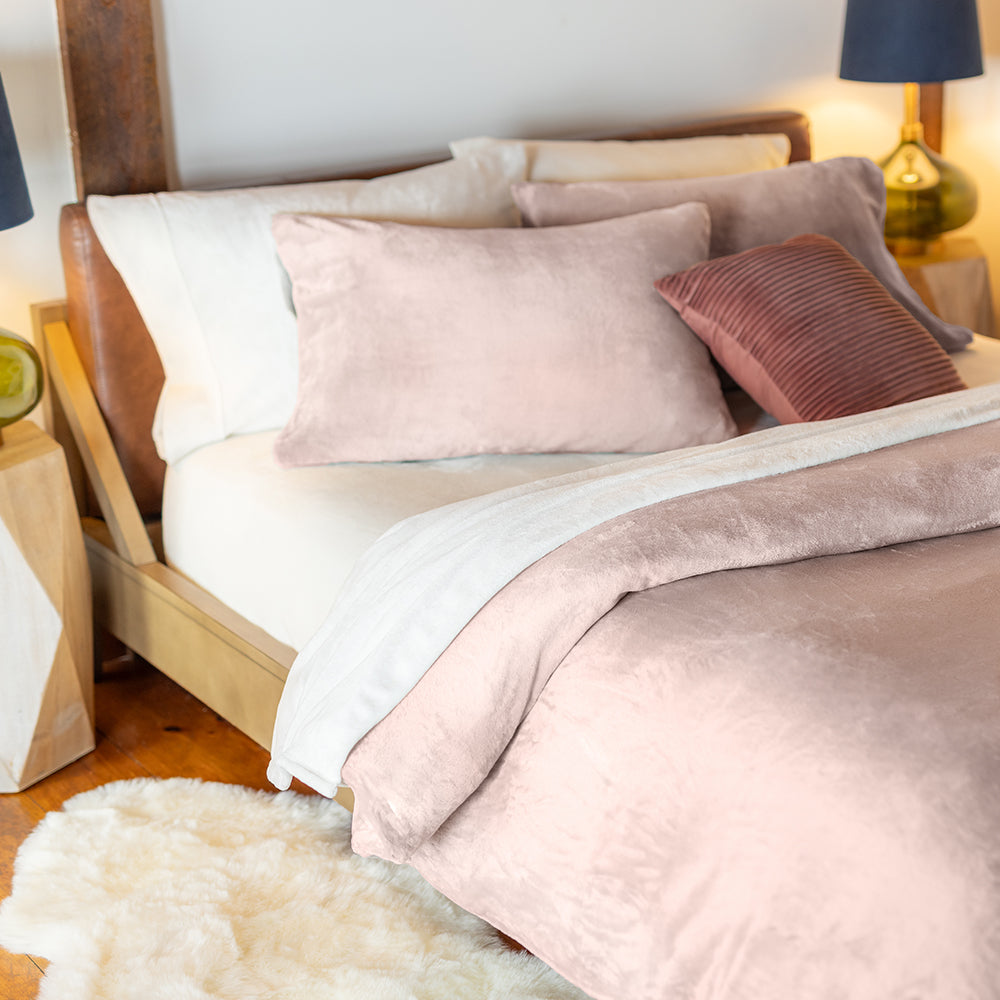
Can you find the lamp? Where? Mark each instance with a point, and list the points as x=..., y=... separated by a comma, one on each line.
x=20, y=366
x=913, y=42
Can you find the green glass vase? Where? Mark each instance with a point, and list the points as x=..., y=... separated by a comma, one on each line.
x=20, y=378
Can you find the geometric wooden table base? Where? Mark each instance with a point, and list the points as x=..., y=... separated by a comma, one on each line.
x=46, y=651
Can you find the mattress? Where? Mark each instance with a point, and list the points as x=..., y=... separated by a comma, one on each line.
x=276, y=545
x=979, y=363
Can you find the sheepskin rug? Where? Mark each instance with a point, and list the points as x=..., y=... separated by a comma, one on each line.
x=190, y=890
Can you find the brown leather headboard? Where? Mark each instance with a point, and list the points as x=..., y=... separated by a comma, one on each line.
x=118, y=353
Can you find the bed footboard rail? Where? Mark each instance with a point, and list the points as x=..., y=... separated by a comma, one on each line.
x=227, y=663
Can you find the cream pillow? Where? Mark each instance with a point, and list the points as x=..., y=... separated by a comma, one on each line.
x=643, y=159
x=204, y=273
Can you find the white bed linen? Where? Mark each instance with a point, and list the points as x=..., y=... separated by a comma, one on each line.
x=277, y=544
x=979, y=363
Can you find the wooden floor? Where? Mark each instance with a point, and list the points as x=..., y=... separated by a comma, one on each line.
x=146, y=726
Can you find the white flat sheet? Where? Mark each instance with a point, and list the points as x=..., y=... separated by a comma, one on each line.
x=277, y=544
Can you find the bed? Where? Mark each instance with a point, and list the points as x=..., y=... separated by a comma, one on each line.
x=663, y=642
x=108, y=377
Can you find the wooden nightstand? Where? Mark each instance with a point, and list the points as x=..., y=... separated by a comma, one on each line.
x=46, y=652
x=953, y=279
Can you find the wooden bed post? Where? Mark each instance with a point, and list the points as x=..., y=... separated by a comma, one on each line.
x=113, y=98
x=931, y=113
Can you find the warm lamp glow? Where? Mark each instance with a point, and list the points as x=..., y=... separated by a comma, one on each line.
x=913, y=42
x=20, y=366
x=925, y=194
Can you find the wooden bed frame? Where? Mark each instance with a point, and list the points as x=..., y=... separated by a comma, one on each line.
x=105, y=376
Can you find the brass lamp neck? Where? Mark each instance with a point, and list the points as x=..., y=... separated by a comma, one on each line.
x=913, y=128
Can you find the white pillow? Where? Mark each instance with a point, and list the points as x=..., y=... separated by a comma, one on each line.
x=205, y=275
x=644, y=159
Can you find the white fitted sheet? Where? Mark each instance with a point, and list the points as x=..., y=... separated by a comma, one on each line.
x=979, y=363
x=276, y=544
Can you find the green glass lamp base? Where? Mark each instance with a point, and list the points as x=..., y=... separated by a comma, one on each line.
x=926, y=196
x=20, y=378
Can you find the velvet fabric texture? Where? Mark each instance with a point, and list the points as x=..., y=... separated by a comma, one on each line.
x=419, y=342
x=843, y=198
x=699, y=807
x=808, y=331
x=526, y=629
x=418, y=585
x=729, y=784
x=715, y=746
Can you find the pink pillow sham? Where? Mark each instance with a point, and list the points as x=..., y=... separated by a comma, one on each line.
x=808, y=332
x=842, y=198
x=421, y=342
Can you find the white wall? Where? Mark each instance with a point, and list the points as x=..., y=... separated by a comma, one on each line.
x=353, y=83
x=258, y=91
x=30, y=270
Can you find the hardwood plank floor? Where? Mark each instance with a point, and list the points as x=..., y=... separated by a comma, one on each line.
x=146, y=727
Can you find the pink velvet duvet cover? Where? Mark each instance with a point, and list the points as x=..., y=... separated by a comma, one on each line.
x=739, y=743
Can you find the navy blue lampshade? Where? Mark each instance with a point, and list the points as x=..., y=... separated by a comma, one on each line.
x=15, y=205
x=911, y=41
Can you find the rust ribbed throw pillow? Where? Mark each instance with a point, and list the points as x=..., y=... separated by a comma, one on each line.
x=808, y=331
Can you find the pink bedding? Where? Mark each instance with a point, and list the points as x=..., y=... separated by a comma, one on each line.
x=741, y=743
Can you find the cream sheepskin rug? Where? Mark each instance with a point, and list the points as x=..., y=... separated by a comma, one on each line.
x=189, y=890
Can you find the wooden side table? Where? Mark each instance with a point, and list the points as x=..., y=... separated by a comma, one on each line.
x=46, y=651
x=953, y=279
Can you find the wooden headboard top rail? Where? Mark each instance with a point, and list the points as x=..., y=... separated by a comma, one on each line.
x=118, y=354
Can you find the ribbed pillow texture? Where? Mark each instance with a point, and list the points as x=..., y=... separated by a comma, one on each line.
x=808, y=331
